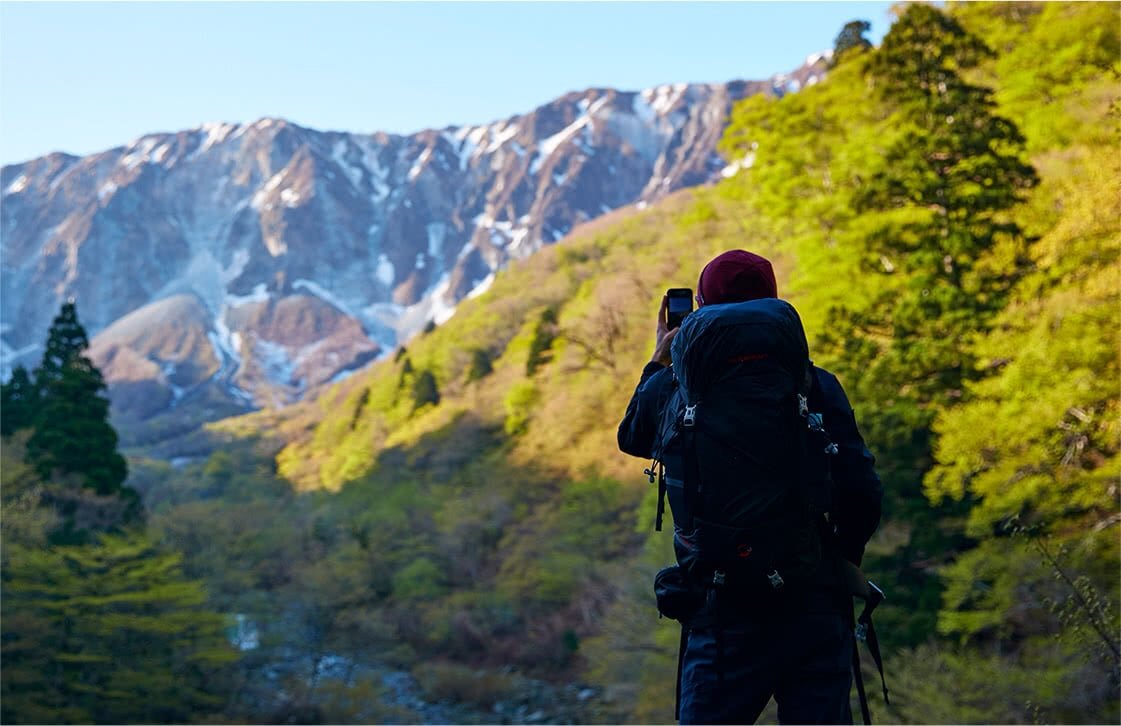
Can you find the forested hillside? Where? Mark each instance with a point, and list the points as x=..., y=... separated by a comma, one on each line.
x=944, y=212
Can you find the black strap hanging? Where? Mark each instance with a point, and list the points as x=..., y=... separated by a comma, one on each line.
x=661, y=498
x=858, y=677
x=680, y=664
x=865, y=631
x=869, y=632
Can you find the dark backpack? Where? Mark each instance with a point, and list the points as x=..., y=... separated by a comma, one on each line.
x=746, y=464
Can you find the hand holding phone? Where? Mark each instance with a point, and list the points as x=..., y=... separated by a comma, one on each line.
x=679, y=303
x=676, y=304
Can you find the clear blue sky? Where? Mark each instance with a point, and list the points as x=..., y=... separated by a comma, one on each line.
x=84, y=77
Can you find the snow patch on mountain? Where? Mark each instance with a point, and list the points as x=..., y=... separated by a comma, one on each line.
x=663, y=98
x=384, y=271
x=418, y=166
x=274, y=360
x=338, y=155
x=499, y=135
x=441, y=310
x=216, y=133
x=324, y=295
x=290, y=197
x=548, y=147
x=227, y=346
x=436, y=232
x=9, y=354
x=814, y=58
x=167, y=371
x=481, y=286
x=238, y=261
x=260, y=294
x=17, y=185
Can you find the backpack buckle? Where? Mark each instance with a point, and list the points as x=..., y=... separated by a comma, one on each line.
x=803, y=406
x=718, y=577
x=776, y=580
x=690, y=417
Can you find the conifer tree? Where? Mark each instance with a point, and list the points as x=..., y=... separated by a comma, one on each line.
x=72, y=430
x=480, y=366
x=425, y=390
x=65, y=339
x=110, y=632
x=936, y=200
x=543, y=336
x=851, y=37
x=19, y=399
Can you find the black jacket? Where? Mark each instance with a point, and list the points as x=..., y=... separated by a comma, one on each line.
x=857, y=492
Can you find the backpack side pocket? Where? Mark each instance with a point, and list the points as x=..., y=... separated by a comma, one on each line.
x=678, y=598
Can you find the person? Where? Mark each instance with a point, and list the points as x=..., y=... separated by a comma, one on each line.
x=800, y=650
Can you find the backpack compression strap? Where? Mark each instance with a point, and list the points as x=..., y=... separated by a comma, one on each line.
x=864, y=631
x=867, y=632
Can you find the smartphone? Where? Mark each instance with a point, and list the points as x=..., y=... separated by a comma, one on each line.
x=679, y=304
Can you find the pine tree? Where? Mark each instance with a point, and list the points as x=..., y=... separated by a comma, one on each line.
x=480, y=366
x=936, y=201
x=19, y=399
x=851, y=37
x=425, y=391
x=72, y=430
x=543, y=336
x=65, y=339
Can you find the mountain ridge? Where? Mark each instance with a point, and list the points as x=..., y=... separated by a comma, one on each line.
x=388, y=231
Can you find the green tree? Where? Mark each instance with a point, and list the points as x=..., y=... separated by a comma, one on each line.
x=935, y=203
x=543, y=336
x=480, y=365
x=425, y=390
x=851, y=38
x=72, y=430
x=65, y=340
x=105, y=632
x=19, y=399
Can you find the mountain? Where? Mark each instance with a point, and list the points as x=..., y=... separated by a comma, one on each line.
x=290, y=257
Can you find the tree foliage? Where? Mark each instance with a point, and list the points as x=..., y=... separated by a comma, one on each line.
x=544, y=333
x=19, y=401
x=110, y=631
x=851, y=38
x=72, y=430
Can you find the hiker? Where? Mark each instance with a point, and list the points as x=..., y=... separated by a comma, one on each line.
x=785, y=628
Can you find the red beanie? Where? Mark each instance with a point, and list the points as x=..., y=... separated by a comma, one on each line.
x=736, y=276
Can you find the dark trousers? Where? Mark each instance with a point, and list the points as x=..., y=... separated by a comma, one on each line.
x=804, y=660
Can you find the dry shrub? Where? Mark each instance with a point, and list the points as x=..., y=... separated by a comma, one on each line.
x=451, y=682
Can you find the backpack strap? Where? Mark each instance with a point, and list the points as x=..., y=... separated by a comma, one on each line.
x=686, y=428
x=661, y=498
x=858, y=677
x=680, y=666
x=864, y=631
x=867, y=632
